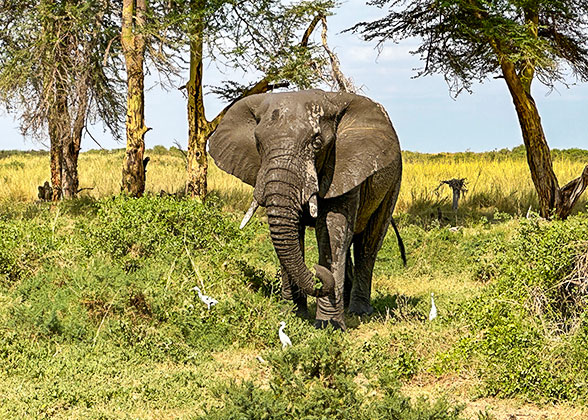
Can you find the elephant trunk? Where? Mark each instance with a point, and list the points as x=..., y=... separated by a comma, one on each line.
x=282, y=201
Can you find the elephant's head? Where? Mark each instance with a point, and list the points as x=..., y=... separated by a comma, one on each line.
x=297, y=147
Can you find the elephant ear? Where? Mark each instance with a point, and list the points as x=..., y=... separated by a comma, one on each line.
x=365, y=143
x=232, y=145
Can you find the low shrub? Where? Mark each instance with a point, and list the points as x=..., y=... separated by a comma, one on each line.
x=319, y=380
x=526, y=326
x=23, y=244
x=535, y=268
x=138, y=228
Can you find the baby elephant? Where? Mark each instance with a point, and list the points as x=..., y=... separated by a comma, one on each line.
x=324, y=159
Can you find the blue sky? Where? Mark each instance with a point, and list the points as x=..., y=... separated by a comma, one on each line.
x=422, y=110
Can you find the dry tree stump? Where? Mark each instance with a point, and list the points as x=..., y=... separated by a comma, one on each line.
x=458, y=185
x=45, y=192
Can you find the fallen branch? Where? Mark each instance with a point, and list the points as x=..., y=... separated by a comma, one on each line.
x=85, y=188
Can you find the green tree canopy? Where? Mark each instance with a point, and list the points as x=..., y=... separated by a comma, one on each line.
x=518, y=40
x=466, y=40
x=56, y=47
x=53, y=75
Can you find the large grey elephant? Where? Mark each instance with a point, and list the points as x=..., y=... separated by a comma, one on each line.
x=324, y=159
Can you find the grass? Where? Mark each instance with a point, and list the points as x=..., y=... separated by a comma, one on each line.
x=496, y=181
x=100, y=174
x=97, y=319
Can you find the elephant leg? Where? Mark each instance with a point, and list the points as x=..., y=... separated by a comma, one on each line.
x=290, y=290
x=349, y=279
x=365, y=248
x=334, y=231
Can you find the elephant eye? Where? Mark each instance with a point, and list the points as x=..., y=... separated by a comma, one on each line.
x=316, y=143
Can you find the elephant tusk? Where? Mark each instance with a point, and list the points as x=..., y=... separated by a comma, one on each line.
x=313, y=206
x=249, y=214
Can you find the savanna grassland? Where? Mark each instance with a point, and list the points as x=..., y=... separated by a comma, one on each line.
x=98, y=319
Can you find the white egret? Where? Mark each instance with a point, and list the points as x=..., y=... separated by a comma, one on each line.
x=433, y=312
x=283, y=337
x=206, y=299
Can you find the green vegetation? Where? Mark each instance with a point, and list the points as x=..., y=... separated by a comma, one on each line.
x=98, y=319
x=531, y=330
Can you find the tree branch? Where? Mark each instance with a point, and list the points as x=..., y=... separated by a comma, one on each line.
x=310, y=29
x=263, y=85
x=107, y=52
x=345, y=85
x=93, y=138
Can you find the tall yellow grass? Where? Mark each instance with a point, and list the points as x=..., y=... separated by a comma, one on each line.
x=493, y=183
x=499, y=184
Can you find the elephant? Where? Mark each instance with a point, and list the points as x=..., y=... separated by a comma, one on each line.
x=330, y=160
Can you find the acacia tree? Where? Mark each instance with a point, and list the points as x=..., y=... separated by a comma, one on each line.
x=52, y=74
x=520, y=40
x=264, y=37
x=247, y=34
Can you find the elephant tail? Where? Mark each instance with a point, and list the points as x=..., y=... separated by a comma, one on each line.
x=400, y=243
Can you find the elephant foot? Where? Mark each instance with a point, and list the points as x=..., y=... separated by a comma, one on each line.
x=359, y=308
x=302, y=312
x=321, y=324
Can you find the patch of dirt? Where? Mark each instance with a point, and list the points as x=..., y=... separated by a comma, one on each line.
x=96, y=307
x=138, y=302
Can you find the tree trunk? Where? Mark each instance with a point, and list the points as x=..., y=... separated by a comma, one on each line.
x=58, y=123
x=569, y=194
x=71, y=151
x=133, y=43
x=198, y=126
x=552, y=199
x=72, y=143
x=538, y=153
x=199, y=129
x=56, y=161
x=66, y=93
x=56, y=95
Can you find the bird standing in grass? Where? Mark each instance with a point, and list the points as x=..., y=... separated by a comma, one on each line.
x=283, y=337
x=433, y=311
x=206, y=299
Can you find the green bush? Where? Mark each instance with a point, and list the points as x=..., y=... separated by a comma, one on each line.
x=533, y=267
x=526, y=325
x=22, y=245
x=138, y=228
x=9, y=266
x=103, y=289
x=318, y=380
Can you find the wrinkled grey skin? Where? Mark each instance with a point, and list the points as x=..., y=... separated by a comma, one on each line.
x=337, y=150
